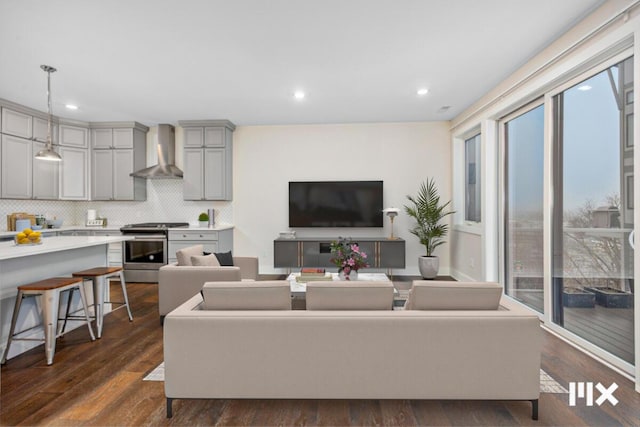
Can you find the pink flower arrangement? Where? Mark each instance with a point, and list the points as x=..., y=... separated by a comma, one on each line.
x=347, y=256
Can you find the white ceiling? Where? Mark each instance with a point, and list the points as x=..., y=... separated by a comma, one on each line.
x=160, y=61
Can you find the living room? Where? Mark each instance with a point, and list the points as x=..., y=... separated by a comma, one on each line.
x=276, y=147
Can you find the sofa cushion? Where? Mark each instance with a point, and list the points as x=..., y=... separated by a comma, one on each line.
x=440, y=295
x=352, y=295
x=225, y=258
x=184, y=255
x=265, y=295
x=206, y=261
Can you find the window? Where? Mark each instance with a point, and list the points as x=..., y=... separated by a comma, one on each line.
x=472, y=179
x=524, y=184
x=593, y=210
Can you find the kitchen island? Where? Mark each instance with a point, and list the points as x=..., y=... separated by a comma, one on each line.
x=56, y=256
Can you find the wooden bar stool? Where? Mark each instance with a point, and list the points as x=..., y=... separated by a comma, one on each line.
x=48, y=291
x=99, y=277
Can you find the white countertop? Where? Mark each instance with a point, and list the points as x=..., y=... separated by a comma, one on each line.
x=9, y=250
x=109, y=228
x=66, y=228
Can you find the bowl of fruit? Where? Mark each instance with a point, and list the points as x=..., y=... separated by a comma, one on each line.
x=28, y=237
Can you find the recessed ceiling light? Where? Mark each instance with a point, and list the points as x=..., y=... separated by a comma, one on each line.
x=298, y=94
x=584, y=88
x=71, y=106
x=422, y=91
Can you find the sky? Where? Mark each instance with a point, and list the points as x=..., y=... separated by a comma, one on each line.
x=591, y=164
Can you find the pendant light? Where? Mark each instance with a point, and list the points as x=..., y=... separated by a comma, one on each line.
x=48, y=153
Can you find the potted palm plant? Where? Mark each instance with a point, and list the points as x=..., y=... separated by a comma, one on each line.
x=428, y=212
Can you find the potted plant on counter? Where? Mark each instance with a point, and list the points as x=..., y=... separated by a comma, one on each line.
x=203, y=219
x=428, y=212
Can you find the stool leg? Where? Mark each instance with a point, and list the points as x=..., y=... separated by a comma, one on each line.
x=98, y=302
x=14, y=319
x=83, y=297
x=50, y=302
x=66, y=315
x=124, y=293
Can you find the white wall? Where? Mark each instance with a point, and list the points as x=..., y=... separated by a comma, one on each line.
x=266, y=158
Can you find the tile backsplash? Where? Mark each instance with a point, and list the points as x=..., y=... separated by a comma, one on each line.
x=164, y=203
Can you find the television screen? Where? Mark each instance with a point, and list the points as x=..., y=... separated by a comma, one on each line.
x=335, y=204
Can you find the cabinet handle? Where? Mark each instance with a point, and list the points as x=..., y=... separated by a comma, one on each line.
x=201, y=235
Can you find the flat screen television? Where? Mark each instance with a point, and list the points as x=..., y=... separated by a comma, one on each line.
x=335, y=204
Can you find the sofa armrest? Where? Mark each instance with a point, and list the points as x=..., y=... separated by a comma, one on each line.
x=176, y=284
x=248, y=267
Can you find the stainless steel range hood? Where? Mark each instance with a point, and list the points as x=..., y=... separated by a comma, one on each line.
x=166, y=146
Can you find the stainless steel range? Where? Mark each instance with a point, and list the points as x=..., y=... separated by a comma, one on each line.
x=147, y=252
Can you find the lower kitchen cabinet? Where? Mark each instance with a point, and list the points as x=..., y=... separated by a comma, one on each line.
x=114, y=254
x=212, y=240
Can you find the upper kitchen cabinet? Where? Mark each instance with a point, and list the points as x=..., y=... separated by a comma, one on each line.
x=74, y=136
x=45, y=175
x=208, y=148
x=16, y=157
x=74, y=168
x=24, y=132
x=118, y=149
x=16, y=123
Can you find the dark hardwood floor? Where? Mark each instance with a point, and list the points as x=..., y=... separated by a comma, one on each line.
x=100, y=384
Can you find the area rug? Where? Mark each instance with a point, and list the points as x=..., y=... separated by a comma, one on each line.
x=547, y=383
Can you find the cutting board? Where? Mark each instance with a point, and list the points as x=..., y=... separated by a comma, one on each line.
x=11, y=219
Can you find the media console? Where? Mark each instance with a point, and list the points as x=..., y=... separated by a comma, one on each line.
x=316, y=252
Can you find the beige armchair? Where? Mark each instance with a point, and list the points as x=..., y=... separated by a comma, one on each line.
x=178, y=283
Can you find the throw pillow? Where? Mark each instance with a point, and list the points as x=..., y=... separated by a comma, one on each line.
x=206, y=261
x=438, y=295
x=352, y=295
x=184, y=255
x=264, y=295
x=225, y=259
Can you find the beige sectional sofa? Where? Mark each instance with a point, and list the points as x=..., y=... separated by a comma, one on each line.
x=255, y=347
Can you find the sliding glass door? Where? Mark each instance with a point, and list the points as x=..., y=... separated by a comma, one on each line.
x=592, y=261
x=523, y=150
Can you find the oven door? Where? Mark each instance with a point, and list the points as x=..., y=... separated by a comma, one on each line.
x=145, y=252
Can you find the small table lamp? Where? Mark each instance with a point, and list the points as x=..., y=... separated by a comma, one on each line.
x=391, y=213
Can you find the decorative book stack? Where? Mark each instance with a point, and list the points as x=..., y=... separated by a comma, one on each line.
x=310, y=274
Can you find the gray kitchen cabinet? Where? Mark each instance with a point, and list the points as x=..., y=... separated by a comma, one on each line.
x=316, y=252
x=118, y=149
x=17, y=159
x=207, y=159
x=16, y=123
x=212, y=240
x=41, y=130
x=45, y=175
x=73, y=136
x=74, y=168
x=114, y=253
x=101, y=138
x=74, y=173
x=194, y=137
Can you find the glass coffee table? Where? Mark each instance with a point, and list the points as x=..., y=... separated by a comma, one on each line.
x=299, y=287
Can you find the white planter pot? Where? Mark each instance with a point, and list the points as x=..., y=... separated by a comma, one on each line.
x=429, y=266
x=353, y=275
x=204, y=223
